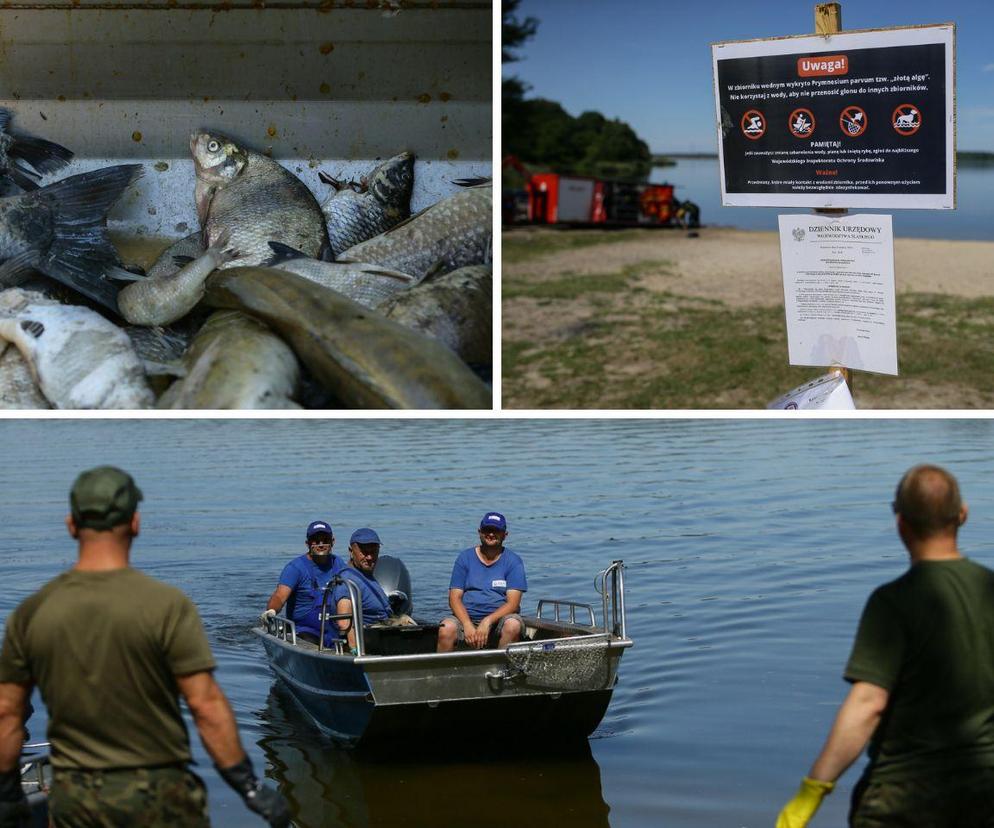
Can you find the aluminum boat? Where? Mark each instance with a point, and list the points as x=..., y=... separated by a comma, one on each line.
x=555, y=684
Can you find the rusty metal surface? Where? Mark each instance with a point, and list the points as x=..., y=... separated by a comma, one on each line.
x=331, y=86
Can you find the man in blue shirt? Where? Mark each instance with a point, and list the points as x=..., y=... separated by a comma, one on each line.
x=364, y=551
x=301, y=584
x=485, y=592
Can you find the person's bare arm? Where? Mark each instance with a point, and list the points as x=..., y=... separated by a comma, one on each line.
x=213, y=717
x=459, y=611
x=13, y=698
x=279, y=597
x=343, y=607
x=854, y=724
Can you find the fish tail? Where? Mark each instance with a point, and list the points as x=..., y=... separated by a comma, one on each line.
x=44, y=156
x=81, y=254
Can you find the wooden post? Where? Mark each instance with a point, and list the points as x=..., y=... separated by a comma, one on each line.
x=828, y=20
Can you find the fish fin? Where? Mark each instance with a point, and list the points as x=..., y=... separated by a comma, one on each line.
x=33, y=327
x=13, y=271
x=472, y=182
x=81, y=253
x=5, y=117
x=182, y=261
x=284, y=253
x=44, y=156
x=331, y=182
x=120, y=274
x=393, y=274
x=326, y=253
x=25, y=179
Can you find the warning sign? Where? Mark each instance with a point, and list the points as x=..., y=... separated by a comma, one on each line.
x=787, y=95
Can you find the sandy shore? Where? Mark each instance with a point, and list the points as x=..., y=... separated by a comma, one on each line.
x=742, y=267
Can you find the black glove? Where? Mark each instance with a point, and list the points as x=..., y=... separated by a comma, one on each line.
x=267, y=802
x=14, y=810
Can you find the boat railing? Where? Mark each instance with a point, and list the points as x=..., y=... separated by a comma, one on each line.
x=355, y=616
x=282, y=628
x=610, y=584
x=556, y=609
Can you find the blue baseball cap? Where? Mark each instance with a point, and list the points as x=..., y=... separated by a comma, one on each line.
x=364, y=535
x=495, y=519
x=319, y=527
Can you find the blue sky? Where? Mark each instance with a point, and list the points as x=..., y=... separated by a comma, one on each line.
x=648, y=62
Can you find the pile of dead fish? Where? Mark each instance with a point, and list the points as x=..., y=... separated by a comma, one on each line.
x=277, y=302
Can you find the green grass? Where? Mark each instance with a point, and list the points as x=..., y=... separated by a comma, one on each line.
x=567, y=286
x=523, y=246
x=678, y=352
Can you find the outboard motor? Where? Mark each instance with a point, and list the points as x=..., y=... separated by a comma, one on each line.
x=396, y=582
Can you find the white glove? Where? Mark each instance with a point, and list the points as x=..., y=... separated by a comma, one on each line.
x=264, y=618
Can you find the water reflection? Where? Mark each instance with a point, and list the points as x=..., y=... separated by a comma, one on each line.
x=328, y=785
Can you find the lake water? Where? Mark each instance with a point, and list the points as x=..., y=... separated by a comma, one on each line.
x=751, y=546
x=698, y=179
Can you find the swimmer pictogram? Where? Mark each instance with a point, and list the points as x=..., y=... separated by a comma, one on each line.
x=906, y=120
x=801, y=123
x=753, y=124
x=853, y=121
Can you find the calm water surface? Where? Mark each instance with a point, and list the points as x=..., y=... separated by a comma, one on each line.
x=698, y=179
x=751, y=547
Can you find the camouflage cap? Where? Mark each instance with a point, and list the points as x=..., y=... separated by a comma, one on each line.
x=103, y=498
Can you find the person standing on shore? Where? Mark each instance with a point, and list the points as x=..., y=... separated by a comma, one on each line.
x=922, y=674
x=111, y=650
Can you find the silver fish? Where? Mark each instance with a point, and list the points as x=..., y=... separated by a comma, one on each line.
x=382, y=200
x=186, y=249
x=452, y=233
x=235, y=362
x=24, y=159
x=17, y=386
x=364, y=359
x=61, y=231
x=160, y=300
x=367, y=284
x=255, y=200
x=78, y=358
x=456, y=308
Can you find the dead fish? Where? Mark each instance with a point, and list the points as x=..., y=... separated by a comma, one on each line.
x=160, y=348
x=160, y=300
x=452, y=233
x=186, y=249
x=78, y=358
x=456, y=307
x=255, y=200
x=367, y=284
x=61, y=231
x=382, y=200
x=235, y=361
x=359, y=355
x=17, y=386
x=24, y=159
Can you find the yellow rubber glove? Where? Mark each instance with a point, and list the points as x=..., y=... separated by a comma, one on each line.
x=804, y=805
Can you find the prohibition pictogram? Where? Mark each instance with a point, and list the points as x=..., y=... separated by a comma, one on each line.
x=753, y=124
x=853, y=121
x=906, y=120
x=801, y=123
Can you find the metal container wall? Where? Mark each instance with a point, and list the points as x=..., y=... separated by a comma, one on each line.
x=329, y=85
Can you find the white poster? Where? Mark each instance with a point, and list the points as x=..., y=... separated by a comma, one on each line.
x=827, y=393
x=838, y=285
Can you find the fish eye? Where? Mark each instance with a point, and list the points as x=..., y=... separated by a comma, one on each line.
x=213, y=146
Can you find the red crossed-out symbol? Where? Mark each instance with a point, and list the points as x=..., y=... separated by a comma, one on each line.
x=907, y=119
x=753, y=124
x=801, y=123
x=853, y=121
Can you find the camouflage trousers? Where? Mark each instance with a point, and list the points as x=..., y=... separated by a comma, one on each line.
x=962, y=800
x=169, y=796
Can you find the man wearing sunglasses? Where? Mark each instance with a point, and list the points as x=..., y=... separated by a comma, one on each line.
x=364, y=552
x=302, y=582
x=485, y=592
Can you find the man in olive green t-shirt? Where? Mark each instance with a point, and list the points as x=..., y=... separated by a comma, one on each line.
x=922, y=674
x=111, y=650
